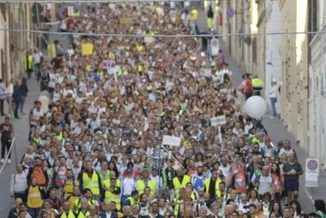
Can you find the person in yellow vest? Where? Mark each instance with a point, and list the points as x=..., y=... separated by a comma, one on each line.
x=68, y=186
x=222, y=191
x=34, y=199
x=212, y=184
x=105, y=172
x=113, y=191
x=180, y=181
x=83, y=211
x=90, y=179
x=145, y=181
x=66, y=211
x=49, y=207
x=210, y=17
x=257, y=85
x=87, y=193
x=74, y=197
x=133, y=199
x=28, y=62
x=194, y=14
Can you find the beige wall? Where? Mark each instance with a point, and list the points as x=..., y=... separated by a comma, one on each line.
x=2, y=46
x=240, y=47
x=294, y=57
x=16, y=43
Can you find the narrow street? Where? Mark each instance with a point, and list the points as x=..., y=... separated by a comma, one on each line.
x=275, y=128
x=21, y=128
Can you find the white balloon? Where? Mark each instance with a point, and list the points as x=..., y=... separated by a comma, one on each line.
x=255, y=106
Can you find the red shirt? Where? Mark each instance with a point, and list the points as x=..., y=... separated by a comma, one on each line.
x=6, y=130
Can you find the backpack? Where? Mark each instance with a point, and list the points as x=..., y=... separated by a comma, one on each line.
x=38, y=174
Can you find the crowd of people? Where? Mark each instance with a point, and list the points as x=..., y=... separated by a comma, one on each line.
x=96, y=149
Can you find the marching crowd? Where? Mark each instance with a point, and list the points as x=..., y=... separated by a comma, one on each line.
x=96, y=149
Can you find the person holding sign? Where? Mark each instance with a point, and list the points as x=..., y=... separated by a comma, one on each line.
x=292, y=170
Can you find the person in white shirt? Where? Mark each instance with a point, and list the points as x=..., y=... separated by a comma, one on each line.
x=264, y=182
x=243, y=204
x=18, y=184
x=272, y=94
x=128, y=185
x=37, y=58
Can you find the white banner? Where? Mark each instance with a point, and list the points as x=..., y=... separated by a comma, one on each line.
x=171, y=140
x=219, y=120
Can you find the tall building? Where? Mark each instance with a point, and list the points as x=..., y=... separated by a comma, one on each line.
x=317, y=79
x=237, y=18
x=283, y=57
x=294, y=68
x=13, y=44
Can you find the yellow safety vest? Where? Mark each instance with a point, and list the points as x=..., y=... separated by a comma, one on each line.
x=140, y=69
x=257, y=83
x=100, y=72
x=120, y=72
x=110, y=196
x=72, y=200
x=132, y=201
x=209, y=22
x=91, y=183
x=52, y=51
x=141, y=185
x=194, y=14
x=82, y=214
x=60, y=136
x=193, y=196
x=217, y=183
x=77, y=203
x=140, y=48
x=28, y=62
x=69, y=215
x=105, y=178
x=34, y=198
x=177, y=185
x=255, y=140
x=68, y=187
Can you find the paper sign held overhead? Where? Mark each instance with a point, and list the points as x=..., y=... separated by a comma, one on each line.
x=87, y=49
x=171, y=140
x=219, y=120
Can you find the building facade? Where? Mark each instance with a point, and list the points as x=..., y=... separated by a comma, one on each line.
x=317, y=80
x=237, y=17
x=13, y=44
x=282, y=57
x=294, y=68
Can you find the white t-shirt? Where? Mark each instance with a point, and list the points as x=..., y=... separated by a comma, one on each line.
x=37, y=57
x=128, y=185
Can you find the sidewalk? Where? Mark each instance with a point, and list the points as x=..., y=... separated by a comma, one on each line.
x=21, y=130
x=277, y=131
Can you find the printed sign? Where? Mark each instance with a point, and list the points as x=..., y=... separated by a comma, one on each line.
x=219, y=120
x=87, y=49
x=171, y=140
x=125, y=21
x=312, y=172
